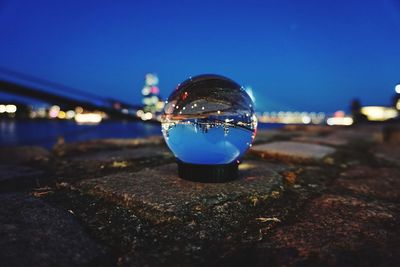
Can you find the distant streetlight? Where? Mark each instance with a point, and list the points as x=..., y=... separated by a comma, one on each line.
x=397, y=88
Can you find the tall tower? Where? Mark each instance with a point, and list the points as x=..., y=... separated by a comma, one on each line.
x=151, y=100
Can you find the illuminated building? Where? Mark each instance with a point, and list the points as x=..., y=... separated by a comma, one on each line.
x=378, y=113
x=289, y=117
x=151, y=100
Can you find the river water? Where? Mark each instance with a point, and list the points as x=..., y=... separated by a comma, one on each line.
x=46, y=132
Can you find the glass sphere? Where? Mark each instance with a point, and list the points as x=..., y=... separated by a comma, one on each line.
x=209, y=119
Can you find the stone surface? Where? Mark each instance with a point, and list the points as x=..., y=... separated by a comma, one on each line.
x=64, y=149
x=123, y=154
x=387, y=152
x=332, y=230
x=324, y=140
x=264, y=136
x=353, y=222
x=78, y=161
x=293, y=151
x=160, y=190
x=35, y=234
x=11, y=172
x=361, y=134
x=363, y=180
x=17, y=177
x=341, y=210
x=23, y=154
x=395, y=138
x=391, y=133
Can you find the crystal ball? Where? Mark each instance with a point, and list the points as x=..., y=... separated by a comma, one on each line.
x=209, y=120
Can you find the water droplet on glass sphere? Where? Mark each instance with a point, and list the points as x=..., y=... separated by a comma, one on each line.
x=209, y=120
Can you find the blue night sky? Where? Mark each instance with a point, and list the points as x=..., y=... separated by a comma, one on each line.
x=297, y=55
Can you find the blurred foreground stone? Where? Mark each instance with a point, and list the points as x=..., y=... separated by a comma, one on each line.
x=33, y=233
x=306, y=196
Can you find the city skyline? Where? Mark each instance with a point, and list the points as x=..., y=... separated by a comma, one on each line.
x=308, y=56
